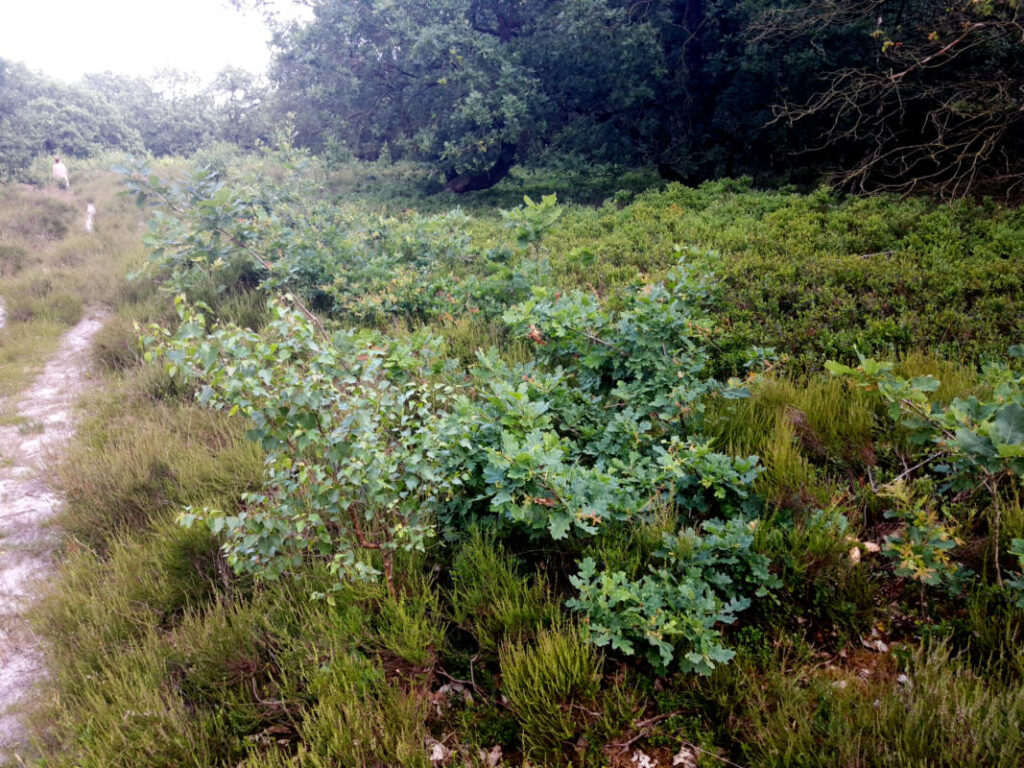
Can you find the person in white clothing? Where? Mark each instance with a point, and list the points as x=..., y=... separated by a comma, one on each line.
x=90, y=213
x=60, y=174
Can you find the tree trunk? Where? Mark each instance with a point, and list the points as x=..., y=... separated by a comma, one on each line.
x=471, y=182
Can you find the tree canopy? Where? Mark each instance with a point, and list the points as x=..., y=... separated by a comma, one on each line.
x=468, y=84
x=880, y=92
x=934, y=100
x=39, y=115
x=170, y=113
x=909, y=95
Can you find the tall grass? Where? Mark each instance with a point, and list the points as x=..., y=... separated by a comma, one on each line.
x=51, y=269
x=137, y=460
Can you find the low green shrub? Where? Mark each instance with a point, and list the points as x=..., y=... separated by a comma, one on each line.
x=493, y=601
x=673, y=613
x=129, y=715
x=550, y=683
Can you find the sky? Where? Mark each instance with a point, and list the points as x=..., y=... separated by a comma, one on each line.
x=69, y=38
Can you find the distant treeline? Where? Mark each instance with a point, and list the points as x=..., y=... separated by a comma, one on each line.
x=909, y=95
x=168, y=114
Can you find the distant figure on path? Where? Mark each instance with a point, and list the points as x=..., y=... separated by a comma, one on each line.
x=60, y=174
x=90, y=212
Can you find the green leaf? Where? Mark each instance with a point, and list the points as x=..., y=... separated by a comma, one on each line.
x=973, y=443
x=559, y=525
x=1010, y=451
x=925, y=383
x=1008, y=426
x=588, y=567
x=838, y=369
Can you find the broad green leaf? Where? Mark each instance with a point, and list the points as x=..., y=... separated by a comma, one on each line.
x=1008, y=426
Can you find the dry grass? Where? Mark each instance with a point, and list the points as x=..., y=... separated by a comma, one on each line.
x=51, y=269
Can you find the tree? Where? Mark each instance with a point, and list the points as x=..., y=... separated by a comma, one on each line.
x=900, y=94
x=470, y=85
x=42, y=116
x=176, y=115
x=171, y=111
x=239, y=106
x=475, y=85
x=934, y=102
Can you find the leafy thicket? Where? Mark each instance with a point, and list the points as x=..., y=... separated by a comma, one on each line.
x=476, y=487
x=367, y=449
x=812, y=276
x=816, y=275
x=377, y=443
x=467, y=84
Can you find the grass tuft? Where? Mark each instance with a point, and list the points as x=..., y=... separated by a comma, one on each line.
x=137, y=460
x=493, y=601
x=550, y=685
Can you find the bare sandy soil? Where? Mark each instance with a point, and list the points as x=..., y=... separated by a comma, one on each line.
x=27, y=505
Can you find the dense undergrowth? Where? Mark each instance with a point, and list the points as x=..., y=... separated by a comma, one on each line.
x=551, y=485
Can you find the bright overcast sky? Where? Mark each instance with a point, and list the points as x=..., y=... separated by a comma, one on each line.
x=69, y=38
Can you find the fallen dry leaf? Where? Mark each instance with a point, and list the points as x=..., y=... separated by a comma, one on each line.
x=685, y=757
x=438, y=753
x=492, y=758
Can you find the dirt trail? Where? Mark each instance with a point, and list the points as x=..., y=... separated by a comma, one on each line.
x=27, y=503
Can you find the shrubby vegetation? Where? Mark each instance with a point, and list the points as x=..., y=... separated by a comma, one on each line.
x=465, y=484
x=812, y=276
x=591, y=467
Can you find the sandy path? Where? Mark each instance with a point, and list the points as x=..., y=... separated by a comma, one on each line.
x=26, y=505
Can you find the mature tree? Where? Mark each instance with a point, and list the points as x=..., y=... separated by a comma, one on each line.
x=474, y=84
x=471, y=85
x=171, y=110
x=189, y=123
x=39, y=115
x=935, y=101
x=906, y=94
x=176, y=115
x=239, y=100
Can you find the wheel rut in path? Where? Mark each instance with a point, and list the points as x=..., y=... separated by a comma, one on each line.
x=27, y=504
